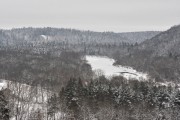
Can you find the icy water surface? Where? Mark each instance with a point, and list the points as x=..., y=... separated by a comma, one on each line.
x=106, y=65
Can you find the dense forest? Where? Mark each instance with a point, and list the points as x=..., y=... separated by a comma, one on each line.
x=45, y=76
x=159, y=56
x=116, y=99
x=54, y=40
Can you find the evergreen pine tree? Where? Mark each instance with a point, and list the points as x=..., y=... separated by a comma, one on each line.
x=73, y=93
x=53, y=106
x=4, y=111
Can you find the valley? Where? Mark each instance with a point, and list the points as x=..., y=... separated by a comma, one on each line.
x=59, y=74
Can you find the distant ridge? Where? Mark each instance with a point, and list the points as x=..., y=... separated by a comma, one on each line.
x=73, y=36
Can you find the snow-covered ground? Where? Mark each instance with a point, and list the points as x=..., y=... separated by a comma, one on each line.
x=45, y=36
x=106, y=65
x=3, y=84
x=28, y=99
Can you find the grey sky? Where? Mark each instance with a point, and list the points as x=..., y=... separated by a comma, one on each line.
x=97, y=15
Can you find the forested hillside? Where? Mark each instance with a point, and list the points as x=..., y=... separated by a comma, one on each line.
x=55, y=40
x=159, y=56
x=31, y=55
x=43, y=69
x=46, y=76
x=116, y=99
x=40, y=35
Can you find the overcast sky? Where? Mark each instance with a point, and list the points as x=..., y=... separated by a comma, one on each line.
x=96, y=15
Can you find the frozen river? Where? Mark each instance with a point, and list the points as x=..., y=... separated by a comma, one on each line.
x=106, y=65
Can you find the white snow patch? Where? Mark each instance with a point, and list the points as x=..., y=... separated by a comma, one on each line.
x=44, y=36
x=106, y=65
x=3, y=84
x=45, y=39
x=166, y=84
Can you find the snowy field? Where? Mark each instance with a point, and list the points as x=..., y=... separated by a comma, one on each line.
x=106, y=65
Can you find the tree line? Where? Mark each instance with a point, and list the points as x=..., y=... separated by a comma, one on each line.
x=115, y=99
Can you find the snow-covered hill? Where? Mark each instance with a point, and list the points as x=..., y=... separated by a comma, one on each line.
x=26, y=101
